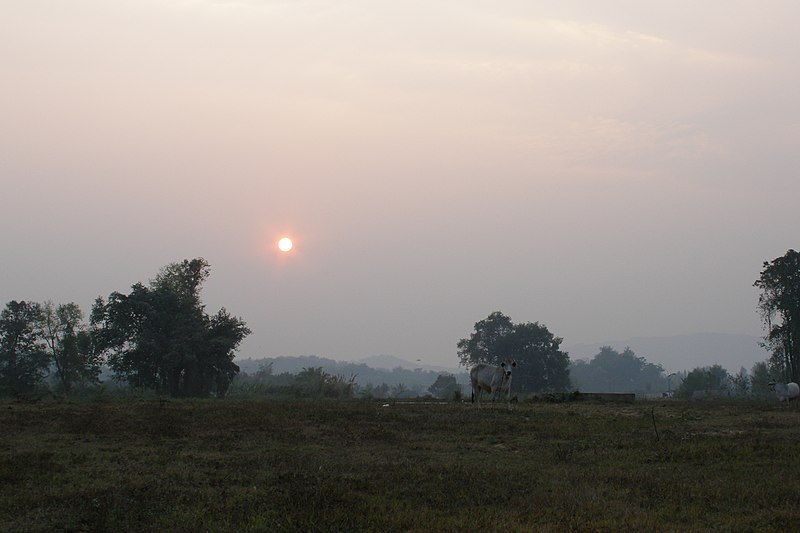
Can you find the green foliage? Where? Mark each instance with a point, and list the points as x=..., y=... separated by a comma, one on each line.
x=741, y=383
x=611, y=371
x=316, y=383
x=70, y=346
x=761, y=375
x=23, y=356
x=491, y=341
x=541, y=365
x=160, y=337
x=375, y=391
x=709, y=378
x=311, y=382
x=400, y=391
x=445, y=386
x=779, y=304
x=371, y=382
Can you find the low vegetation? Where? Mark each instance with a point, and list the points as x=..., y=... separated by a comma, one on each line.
x=356, y=465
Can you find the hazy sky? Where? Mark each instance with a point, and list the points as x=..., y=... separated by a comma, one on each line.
x=609, y=169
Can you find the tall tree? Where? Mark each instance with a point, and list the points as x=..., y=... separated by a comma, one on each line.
x=69, y=345
x=541, y=365
x=160, y=337
x=23, y=359
x=741, y=382
x=445, y=386
x=612, y=371
x=761, y=375
x=779, y=304
x=708, y=378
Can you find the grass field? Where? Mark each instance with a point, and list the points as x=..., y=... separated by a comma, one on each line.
x=258, y=465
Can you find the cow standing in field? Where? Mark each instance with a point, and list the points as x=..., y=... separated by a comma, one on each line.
x=785, y=391
x=492, y=379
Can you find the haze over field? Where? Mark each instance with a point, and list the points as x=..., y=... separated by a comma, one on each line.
x=612, y=170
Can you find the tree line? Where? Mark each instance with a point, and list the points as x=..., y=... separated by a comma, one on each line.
x=274, y=375
x=498, y=337
x=543, y=367
x=158, y=336
x=317, y=382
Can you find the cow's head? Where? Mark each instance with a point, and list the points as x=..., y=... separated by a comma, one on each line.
x=507, y=365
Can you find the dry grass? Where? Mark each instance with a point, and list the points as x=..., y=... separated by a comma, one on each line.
x=358, y=466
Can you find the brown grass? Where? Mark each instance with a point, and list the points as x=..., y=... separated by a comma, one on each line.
x=254, y=465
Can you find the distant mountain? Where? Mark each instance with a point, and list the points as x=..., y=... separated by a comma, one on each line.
x=292, y=365
x=684, y=352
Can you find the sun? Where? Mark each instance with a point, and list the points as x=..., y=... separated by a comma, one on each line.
x=285, y=244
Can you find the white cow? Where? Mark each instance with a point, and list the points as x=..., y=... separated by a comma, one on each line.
x=785, y=391
x=492, y=379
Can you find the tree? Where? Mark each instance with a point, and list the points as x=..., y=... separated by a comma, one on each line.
x=541, y=366
x=779, y=305
x=400, y=391
x=23, y=359
x=611, y=371
x=315, y=382
x=381, y=391
x=445, y=386
x=222, y=337
x=709, y=378
x=761, y=375
x=69, y=345
x=160, y=337
x=741, y=382
x=489, y=343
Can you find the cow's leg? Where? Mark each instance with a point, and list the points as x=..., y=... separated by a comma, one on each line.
x=496, y=389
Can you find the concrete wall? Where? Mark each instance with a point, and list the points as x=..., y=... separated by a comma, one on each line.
x=611, y=397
